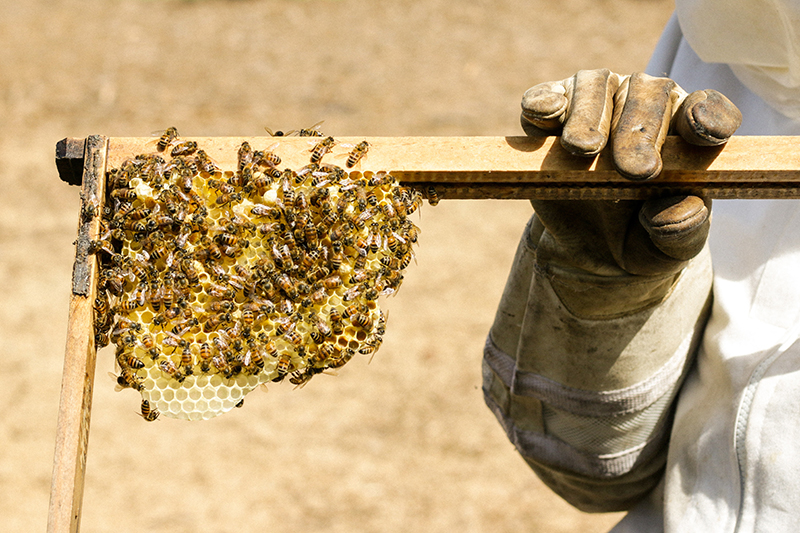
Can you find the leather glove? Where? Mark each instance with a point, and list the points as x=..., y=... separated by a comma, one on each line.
x=653, y=238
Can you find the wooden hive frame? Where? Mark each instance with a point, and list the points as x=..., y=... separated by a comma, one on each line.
x=456, y=167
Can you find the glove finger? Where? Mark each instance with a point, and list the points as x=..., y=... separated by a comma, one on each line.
x=589, y=115
x=544, y=106
x=707, y=118
x=642, y=113
x=677, y=225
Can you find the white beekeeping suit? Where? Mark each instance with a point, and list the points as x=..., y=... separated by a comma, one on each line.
x=731, y=460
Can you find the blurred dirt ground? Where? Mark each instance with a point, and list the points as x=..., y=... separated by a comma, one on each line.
x=402, y=444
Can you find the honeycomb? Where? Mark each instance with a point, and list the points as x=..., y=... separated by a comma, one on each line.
x=214, y=281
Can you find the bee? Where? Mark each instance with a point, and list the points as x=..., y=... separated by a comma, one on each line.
x=322, y=327
x=183, y=148
x=149, y=413
x=284, y=324
x=128, y=379
x=433, y=196
x=89, y=208
x=254, y=358
x=168, y=137
x=262, y=210
x=332, y=282
x=282, y=256
x=205, y=356
x=101, y=339
x=221, y=186
x=127, y=359
x=313, y=131
x=186, y=360
x=148, y=343
x=127, y=306
x=221, y=364
x=342, y=358
x=221, y=306
x=244, y=155
x=319, y=296
x=124, y=193
x=248, y=316
x=359, y=151
x=269, y=158
x=283, y=367
x=169, y=368
x=259, y=184
x=205, y=163
x=277, y=133
x=363, y=321
x=336, y=321
x=225, y=199
x=321, y=148
x=329, y=216
x=337, y=258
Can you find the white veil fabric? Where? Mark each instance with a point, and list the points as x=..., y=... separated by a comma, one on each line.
x=758, y=39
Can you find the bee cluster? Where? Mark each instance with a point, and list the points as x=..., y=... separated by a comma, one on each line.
x=214, y=281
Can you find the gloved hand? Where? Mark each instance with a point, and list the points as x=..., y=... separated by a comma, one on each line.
x=605, y=238
x=606, y=301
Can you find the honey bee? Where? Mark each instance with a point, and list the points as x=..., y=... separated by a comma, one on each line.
x=125, y=194
x=321, y=148
x=262, y=210
x=253, y=358
x=277, y=133
x=313, y=131
x=244, y=155
x=127, y=359
x=205, y=163
x=169, y=368
x=336, y=321
x=285, y=324
x=101, y=339
x=149, y=413
x=128, y=379
x=433, y=196
x=148, y=343
x=332, y=282
x=186, y=360
x=359, y=151
x=322, y=327
x=205, y=356
x=183, y=148
x=127, y=306
x=283, y=367
x=169, y=136
x=269, y=158
x=282, y=256
x=259, y=184
x=226, y=199
x=89, y=208
x=221, y=364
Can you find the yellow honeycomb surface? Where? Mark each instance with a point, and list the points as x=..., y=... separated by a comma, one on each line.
x=214, y=281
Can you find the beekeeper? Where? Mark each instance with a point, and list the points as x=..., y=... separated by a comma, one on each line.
x=628, y=373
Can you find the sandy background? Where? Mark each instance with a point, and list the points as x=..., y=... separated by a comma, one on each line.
x=402, y=444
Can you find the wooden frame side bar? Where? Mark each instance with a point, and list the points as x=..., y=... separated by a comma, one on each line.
x=72, y=432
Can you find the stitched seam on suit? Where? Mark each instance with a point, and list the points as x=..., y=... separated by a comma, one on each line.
x=583, y=402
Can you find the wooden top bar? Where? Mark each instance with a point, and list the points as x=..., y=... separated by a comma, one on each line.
x=526, y=167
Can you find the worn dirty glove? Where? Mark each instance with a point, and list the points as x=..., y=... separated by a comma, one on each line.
x=637, y=110
x=606, y=300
